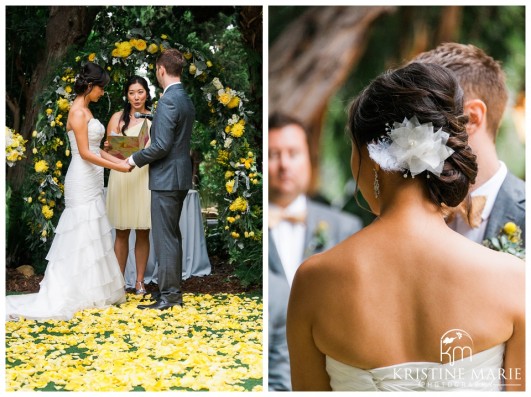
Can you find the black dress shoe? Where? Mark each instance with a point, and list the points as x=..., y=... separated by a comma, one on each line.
x=160, y=305
x=154, y=295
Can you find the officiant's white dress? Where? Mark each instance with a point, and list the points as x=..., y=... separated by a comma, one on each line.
x=82, y=270
x=479, y=372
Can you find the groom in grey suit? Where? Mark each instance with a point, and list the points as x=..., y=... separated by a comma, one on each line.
x=170, y=175
x=298, y=227
x=485, y=98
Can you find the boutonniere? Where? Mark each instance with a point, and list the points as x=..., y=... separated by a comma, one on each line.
x=319, y=238
x=509, y=240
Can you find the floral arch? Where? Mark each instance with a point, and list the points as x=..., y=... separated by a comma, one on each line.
x=230, y=170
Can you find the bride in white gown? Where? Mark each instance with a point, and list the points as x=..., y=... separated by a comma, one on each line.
x=406, y=303
x=82, y=270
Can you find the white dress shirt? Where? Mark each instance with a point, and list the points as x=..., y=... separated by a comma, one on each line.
x=489, y=189
x=289, y=237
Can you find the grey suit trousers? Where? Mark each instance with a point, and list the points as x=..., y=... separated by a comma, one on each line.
x=166, y=208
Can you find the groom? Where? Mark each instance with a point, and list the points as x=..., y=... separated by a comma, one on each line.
x=170, y=175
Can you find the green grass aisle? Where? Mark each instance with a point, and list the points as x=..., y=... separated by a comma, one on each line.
x=213, y=343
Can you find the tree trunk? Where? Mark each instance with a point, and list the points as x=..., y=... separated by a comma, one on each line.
x=66, y=26
x=312, y=58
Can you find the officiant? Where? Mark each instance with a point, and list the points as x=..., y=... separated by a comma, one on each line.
x=128, y=198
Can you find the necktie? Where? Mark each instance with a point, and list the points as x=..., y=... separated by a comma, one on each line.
x=473, y=217
x=277, y=216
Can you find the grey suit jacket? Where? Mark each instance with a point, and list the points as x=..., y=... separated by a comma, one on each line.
x=509, y=206
x=323, y=224
x=169, y=152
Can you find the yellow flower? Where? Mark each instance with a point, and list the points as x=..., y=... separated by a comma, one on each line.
x=41, y=166
x=63, y=105
x=122, y=50
x=231, y=219
x=510, y=228
x=78, y=58
x=59, y=165
x=68, y=89
x=109, y=68
x=139, y=44
x=192, y=69
x=35, y=151
x=67, y=152
x=213, y=142
x=163, y=36
x=227, y=128
x=91, y=57
x=237, y=130
x=229, y=186
x=29, y=200
x=224, y=98
x=240, y=204
x=247, y=162
x=250, y=154
x=229, y=174
x=152, y=49
x=223, y=156
x=52, y=124
x=233, y=102
x=235, y=235
x=187, y=55
x=209, y=64
x=51, y=203
x=44, y=233
x=47, y=211
x=48, y=112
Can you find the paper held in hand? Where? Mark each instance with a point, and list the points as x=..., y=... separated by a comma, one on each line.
x=124, y=146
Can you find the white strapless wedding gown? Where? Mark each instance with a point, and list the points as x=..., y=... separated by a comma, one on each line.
x=479, y=372
x=82, y=270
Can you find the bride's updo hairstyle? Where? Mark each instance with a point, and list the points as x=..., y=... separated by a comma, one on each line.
x=89, y=76
x=432, y=94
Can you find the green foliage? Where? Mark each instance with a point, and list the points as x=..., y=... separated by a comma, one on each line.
x=126, y=41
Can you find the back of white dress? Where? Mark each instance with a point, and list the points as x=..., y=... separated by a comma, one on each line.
x=82, y=270
x=478, y=372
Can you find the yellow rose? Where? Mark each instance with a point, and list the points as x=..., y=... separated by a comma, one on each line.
x=233, y=102
x=152, y=49
x=41, y=166
x=230, y=186
x=231, y=219
x=163, y=36
x=68, y=89
x=48, y=112
x=35, y=151
x=91, y=57
x=510, y=228
x=141, y=45
x=47, y=211
x=29, y=200
x=240, y=204
x=235, y=235
x=63, y=104
x=122, y=50
x=224, y=98
x=192, y=69
x=209, y=64
x=187, y=55
x=59, y=165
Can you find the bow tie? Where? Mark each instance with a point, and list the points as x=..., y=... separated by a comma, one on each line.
x=276, y=216
x=473, y=217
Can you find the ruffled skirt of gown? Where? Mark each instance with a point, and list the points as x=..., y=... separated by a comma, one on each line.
x=82, y=271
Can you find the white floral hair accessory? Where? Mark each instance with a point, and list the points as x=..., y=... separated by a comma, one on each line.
x=411, y=146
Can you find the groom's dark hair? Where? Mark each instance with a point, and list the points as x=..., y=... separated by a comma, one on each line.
x=172, y=60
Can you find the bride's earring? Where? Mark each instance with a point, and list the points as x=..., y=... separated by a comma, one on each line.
x=376, y=184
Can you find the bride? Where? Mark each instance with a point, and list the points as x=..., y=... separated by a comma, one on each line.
x=82, y=269
x=406, y=303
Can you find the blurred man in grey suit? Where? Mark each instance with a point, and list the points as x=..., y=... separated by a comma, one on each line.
x=170, y=175
x=501, y=194
x=298, y=228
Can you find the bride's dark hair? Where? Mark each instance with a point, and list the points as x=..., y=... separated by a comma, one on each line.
x=90, y=74
x=433, y=94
